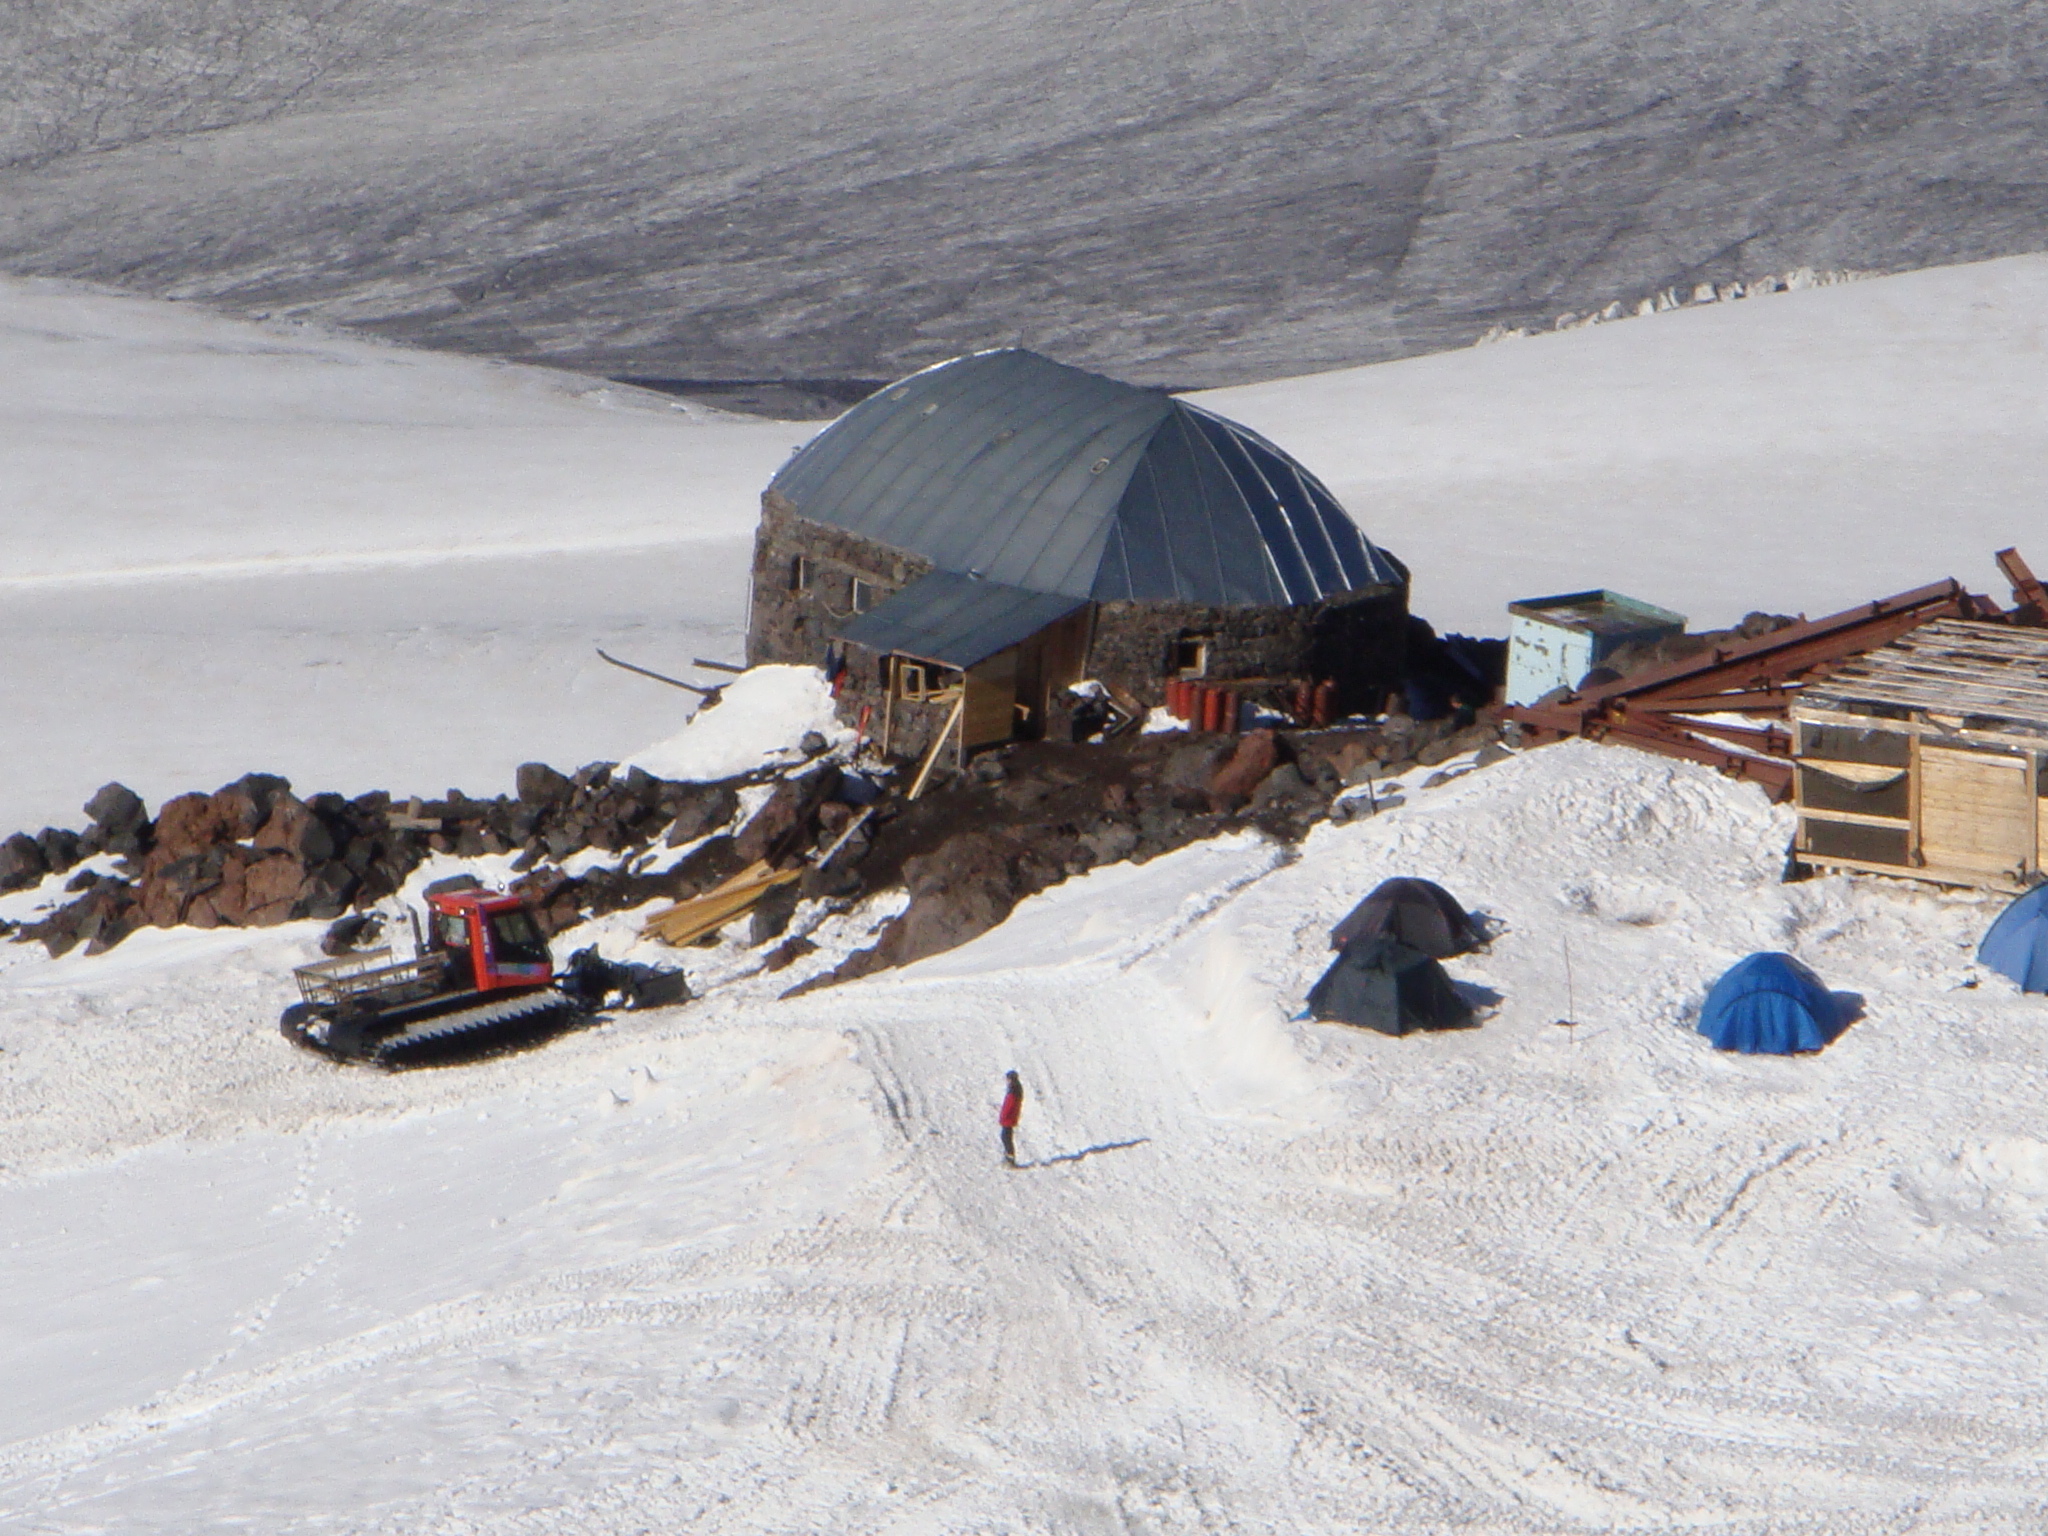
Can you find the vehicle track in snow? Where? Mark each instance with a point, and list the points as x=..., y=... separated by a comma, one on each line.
x=1254, y=1275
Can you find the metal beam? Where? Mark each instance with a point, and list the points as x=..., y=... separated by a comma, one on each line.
x=2028, y=595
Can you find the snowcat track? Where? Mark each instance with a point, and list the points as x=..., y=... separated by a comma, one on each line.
x=433, y=1039
x=478, y=1030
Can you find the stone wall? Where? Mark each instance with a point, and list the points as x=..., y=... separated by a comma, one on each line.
x=1359, y=640
x=913, y=725
x=787, y=625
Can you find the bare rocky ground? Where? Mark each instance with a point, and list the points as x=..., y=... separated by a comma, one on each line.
x=253, y=854
x=1177, y=192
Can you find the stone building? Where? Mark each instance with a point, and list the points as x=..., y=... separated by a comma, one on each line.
x=968, y=542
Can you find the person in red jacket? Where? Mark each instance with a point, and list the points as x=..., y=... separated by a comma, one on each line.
x=1006, y=1117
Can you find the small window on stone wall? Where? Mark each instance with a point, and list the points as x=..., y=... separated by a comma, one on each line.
x=916, y=680
x=864, y=595
x=799, y=575
x=1191, y=656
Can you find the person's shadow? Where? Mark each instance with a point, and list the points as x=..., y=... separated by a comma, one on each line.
x=1075, y=1157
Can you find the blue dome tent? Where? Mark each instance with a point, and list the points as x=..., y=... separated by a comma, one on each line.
x=1770, y=1004
x=2017, y=945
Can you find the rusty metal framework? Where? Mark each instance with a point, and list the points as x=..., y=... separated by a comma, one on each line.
x=1684, y=709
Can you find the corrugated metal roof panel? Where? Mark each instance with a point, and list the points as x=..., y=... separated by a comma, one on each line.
x=959, y=621
x=1040, y=476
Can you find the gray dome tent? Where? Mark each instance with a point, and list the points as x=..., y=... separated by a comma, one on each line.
x=1383, y=984
x=1420, y=913
x=1013, y=469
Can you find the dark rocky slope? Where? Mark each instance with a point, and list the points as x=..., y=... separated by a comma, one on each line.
x=254, y=854
x=1173, y=192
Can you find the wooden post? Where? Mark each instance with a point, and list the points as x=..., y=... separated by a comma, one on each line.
x=1915, y=783
x=888, y=703
x=938, y=744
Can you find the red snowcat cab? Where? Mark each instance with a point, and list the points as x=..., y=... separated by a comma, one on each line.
x=482, y=981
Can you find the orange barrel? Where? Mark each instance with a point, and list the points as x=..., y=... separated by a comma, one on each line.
x=1177, y=697
x=1303, y=700
x=1233, y=712
x=1324, y=708
x=1212, y=707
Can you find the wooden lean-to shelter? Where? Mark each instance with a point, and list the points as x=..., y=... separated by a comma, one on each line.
x=1928, y=757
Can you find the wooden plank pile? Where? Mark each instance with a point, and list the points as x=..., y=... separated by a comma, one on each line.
x=691, y=919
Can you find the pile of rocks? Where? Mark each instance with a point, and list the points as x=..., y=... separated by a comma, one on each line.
x=252, y=853
x=1030, y=815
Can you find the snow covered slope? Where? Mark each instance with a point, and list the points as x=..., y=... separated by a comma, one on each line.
x=1182, y=191
x=230, y=546
x=1797, y=452
x=754, y=1266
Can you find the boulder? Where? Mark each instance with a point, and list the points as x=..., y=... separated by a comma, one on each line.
x=228, y=902
x=60, y=848
x=99, y=919
x=162, y=902
x=1192, y=765
x=22, y=863
x=110, y=918
x=709, y=807
x=552, y=897
x=641, y=786
x=116, y=808
x=187, y=825
x=772, y=913
x=166, y=894
x=293, y=828
x=346, y=935
x=1231, y=785
x=1286, y=789
x=274, y=887
x=244, y=805
x=328, y=891
x=783, y=824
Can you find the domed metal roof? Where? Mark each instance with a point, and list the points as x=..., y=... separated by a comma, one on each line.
x=1011, y=467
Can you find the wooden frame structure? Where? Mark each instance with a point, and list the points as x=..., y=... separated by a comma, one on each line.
x=1929, y=758
x=1723, y=706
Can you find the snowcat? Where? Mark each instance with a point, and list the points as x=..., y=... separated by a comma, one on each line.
x=481, y=980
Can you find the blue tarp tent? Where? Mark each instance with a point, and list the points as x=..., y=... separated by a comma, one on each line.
x=2017, y=945
x=1770, y=1003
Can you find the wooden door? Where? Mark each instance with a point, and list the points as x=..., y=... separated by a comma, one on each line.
x=991, y=711
x=1976, y=813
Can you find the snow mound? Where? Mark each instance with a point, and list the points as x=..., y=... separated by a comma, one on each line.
x=763, y=714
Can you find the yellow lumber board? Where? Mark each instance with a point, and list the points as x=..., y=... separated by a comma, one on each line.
x=696, y=916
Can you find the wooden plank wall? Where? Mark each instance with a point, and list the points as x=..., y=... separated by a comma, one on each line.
x=1977, y=811
x=991, y=712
